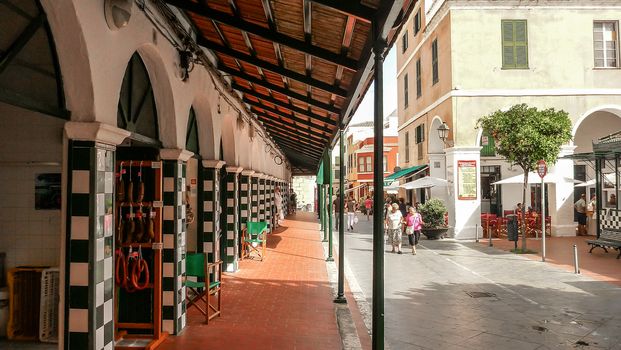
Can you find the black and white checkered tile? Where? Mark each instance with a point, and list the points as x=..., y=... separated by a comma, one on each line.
x=610, y=219
x=254, y=197
x=262, y=198
x=89, y=283
x=207, y=241
x=232, y=219
x=269, y=190
x=245, y=195
x=173, y=253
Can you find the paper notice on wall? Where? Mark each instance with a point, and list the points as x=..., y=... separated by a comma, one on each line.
x=467, y=179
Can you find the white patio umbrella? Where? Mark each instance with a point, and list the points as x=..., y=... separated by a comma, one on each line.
x=610, y=179
x=425, y=182
x=393, y=188
x=533, y=178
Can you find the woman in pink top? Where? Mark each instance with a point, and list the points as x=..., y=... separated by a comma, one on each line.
x=368, y=203
x=414, y=224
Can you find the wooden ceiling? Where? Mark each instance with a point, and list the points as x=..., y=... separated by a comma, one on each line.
x=300, y=66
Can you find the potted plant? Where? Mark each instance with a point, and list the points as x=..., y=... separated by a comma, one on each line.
x=433, y=212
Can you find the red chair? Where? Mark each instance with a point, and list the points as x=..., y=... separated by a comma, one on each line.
x=501, y=227
x=488, y=222
x=508, y=212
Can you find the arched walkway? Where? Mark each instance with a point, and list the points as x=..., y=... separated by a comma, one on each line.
x=594, y=124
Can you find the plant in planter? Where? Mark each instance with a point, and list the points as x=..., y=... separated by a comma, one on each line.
x=433, y=213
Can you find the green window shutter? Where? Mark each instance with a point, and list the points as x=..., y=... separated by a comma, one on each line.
x=514, y=44
x=488, y=145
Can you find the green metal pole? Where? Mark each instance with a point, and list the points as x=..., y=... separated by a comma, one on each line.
x=320, y=205
x=340, y=296
x=329, y=204
x=325, y=213
x=377, y=337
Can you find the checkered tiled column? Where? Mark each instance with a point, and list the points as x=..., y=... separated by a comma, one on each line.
x=207, y=241
x=254, y=197
x=268, y=203
x=232, y=218
x=89, y=281
x=173, y=236
x=245, y=195
x=262, y=198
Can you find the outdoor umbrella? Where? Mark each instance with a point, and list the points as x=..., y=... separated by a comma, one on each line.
x=393, y=188
x=610, y=180
x=425, y=182
x=533, y=178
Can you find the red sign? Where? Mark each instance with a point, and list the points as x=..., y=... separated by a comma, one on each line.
x=542, y=168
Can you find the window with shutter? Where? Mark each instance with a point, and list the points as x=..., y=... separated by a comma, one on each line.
x=434, y=61
x=407, y=147
x=404, y=42
x=488, y=146
x=361, y=164
x=369, y=165
x=405, y=91
x=417, y=22
x=419, y=85
x=605, y=39
x=420, y=133
x=514, y=44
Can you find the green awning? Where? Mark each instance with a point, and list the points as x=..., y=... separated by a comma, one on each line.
x=405, y=172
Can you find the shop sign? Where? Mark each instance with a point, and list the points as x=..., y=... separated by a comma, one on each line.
x=467, y=179
x=485, y=141
x=542, y=168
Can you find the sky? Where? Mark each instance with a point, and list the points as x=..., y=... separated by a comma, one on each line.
x=365, y=110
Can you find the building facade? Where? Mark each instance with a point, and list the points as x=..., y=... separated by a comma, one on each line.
x=361, y=161
x=460, y=60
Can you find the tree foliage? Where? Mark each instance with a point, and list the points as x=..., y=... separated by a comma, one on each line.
x=524, y=135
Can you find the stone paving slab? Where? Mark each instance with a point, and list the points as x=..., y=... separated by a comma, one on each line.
x=534, y=305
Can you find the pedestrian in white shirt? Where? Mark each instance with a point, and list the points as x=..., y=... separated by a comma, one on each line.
x=394, y=221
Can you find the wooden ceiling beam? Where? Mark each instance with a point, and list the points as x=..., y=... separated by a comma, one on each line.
x=275, y=110
x=266, y=33
x=283, y=142
x=298, y=133
x=349, y=7
x=299, y=123
x=279, y=89
x=202, y=41
x=287, y=105
x=293, y=117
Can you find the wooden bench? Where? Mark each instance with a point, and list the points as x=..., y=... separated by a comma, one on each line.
x=607, y=239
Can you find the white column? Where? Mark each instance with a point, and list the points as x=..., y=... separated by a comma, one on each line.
x=561, y=195
x=437, y=168
x=464, y=214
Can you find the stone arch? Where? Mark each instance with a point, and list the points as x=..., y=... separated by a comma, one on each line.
x=229, y=140
x=208, y=146
x=163, y=94
x=73, y=58
x=435, y=144
x=608, y=122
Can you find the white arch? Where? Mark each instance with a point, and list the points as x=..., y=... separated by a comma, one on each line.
x=229, y=143
x=434, y=143
x=614, y=109
x=204, y=124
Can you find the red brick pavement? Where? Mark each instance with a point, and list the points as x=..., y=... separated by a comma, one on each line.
x=559, y=251
x=284, y=302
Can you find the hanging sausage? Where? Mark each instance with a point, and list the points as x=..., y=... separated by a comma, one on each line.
x=130, y=186
x=140, y=196
x=120, y=185
x=139, y=231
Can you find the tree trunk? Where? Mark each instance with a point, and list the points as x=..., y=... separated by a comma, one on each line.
x=523, y=220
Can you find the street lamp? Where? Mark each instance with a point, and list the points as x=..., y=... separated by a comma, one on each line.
x=443, y=131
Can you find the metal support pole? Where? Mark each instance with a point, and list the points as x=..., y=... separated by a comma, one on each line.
x=543, y=221
x=329, y=205
x=325, y=213
x=320, y=206
x=340, y=296
x=576, y=268
x=476, y=232
x=489, y=234
x=377, y=337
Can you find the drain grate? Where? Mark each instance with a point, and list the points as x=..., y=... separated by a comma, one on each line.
x=481, y=295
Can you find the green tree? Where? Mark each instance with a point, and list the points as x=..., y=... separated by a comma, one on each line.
x=525, y=135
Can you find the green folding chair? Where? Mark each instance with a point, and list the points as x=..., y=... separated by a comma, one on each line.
x=254, y=239
x=196, y=265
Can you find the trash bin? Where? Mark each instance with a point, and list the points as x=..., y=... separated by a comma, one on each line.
x=512, y=228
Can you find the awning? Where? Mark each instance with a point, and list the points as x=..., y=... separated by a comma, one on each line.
x=354, y=188
x=425, y=182
x=533, y=178
x=411, y=171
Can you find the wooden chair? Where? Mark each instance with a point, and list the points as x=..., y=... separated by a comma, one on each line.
x=254, y=238
x=196, y=265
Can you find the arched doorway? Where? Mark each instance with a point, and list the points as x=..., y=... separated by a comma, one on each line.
x=193, y=185
x=593, y=125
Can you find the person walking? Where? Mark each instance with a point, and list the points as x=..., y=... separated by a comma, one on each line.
x=337, y=208
x=414, y=225
x=580, y=207
x=368, y=206
x=351, y=213
x=394, y=220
